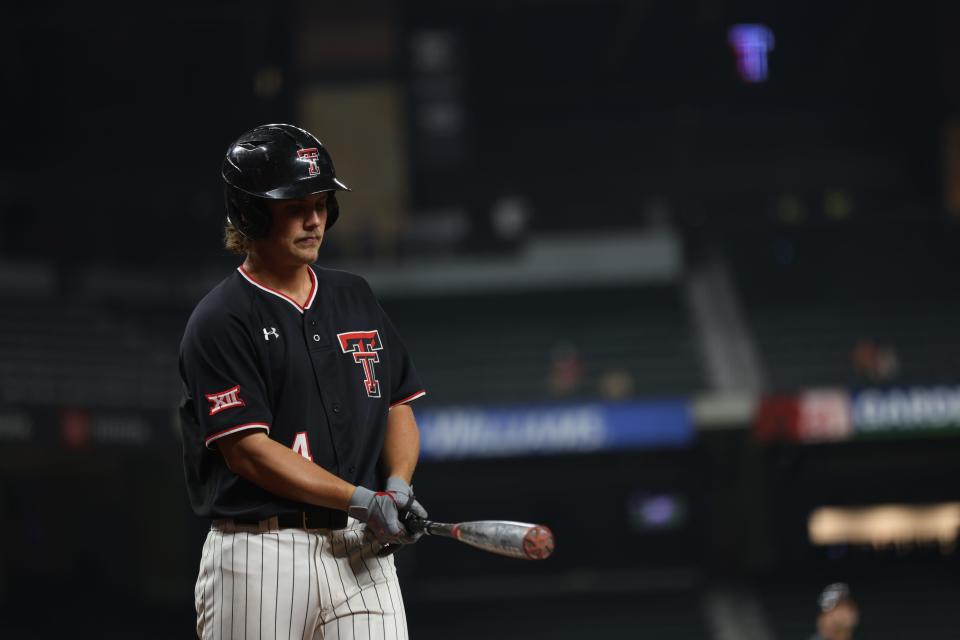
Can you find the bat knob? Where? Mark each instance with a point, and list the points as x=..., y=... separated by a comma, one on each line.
x=538, y=543
x=413, y=522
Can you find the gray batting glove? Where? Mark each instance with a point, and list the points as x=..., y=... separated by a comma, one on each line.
x=406, y=503
x=379, y=511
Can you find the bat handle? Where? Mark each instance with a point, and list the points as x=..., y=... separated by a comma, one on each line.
x=414, y=524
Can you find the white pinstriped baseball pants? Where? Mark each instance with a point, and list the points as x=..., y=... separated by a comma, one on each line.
x=265, y=583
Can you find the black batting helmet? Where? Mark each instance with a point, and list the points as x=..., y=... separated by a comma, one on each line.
x=833, y=594
x=275, y=162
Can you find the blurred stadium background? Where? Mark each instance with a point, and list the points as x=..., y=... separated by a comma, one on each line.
x=680, y=277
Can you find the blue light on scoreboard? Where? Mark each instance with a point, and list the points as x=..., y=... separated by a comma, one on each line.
x=751, y=44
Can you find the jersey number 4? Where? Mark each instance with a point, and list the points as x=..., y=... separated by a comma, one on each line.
x=302, y=446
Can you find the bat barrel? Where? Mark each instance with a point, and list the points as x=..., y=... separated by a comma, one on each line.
x=503, y=537
x=514, y=539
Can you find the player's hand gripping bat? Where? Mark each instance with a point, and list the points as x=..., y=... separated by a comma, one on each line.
x=512, y=539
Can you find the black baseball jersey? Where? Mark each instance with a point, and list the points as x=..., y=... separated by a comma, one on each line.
x=319, y=379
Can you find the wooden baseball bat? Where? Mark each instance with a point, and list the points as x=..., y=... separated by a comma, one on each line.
x=503, y=537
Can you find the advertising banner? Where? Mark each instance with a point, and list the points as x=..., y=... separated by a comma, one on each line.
x=82, y=428
x=818, y=415
x=902, y=411
x=472, y=432
x=833, y=415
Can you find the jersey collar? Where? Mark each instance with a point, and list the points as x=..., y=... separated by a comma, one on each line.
x=283, y=296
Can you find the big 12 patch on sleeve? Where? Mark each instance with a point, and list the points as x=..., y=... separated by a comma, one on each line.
x=222, y=400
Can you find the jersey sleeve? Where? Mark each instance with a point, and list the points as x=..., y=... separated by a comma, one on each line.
x=405, y=384
x=218, y=364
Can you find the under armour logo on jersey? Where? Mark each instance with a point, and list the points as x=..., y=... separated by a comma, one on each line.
x=364, y=346
x=311, y=156
x=272, y=332
x=225, y=400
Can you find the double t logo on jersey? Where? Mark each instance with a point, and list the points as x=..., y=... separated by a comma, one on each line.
x=364, y=346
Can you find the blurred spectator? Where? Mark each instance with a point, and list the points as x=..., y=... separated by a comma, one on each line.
x=839, y=613
x=616, y=384
x=566, y=370
x=874, y=362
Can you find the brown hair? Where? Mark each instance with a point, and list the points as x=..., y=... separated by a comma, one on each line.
x=234, y=241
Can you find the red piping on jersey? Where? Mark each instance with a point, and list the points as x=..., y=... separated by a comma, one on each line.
x=414, y=396
x=313, y=290
x=239, y=427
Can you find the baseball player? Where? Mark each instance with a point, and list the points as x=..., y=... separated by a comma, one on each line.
x=298, y=441
x=839, y=613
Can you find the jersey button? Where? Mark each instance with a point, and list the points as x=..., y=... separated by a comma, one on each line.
x=316, y=337
x=336, y=407
x=352, y=469
x=313, y=323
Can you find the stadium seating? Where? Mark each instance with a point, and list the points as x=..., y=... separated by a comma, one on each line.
x=498, y=348
x=467, y=349
x=810, y=297
x=59, y=352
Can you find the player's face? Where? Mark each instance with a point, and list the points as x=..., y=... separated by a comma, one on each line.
x=840, y=622
x=296, y=229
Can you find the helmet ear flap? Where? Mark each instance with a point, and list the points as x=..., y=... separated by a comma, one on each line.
x=333, y=209
x=257, y=216
x=248, y=214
